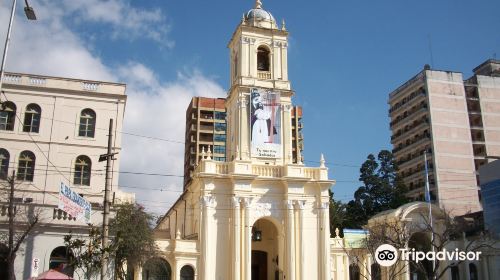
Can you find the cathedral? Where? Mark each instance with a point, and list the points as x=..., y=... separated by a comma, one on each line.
x=258, y=215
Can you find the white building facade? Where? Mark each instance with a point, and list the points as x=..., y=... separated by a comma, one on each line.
x=52, y=131
x=257, y=215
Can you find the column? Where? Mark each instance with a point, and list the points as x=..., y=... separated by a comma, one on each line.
x=325, y=238
x=290, y=248
x=205, y=203
x=485, y=268
x=236, y=238
x=247, y=265
x=302, y=265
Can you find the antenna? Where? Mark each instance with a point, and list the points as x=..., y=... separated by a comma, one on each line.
x=430, y=50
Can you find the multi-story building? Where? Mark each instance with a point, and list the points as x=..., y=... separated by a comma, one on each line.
x=456, y=123
x=205, y=130
x=52, y=131
x=297, y=136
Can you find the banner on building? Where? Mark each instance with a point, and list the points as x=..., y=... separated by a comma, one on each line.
x=265, y=123
x=74, y=204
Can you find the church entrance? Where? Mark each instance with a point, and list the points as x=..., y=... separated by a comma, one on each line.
x=265, y=251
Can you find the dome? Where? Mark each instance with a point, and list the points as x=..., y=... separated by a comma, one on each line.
x=259, y=14
x=259, y=17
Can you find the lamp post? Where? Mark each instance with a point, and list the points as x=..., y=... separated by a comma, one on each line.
x=30, y=14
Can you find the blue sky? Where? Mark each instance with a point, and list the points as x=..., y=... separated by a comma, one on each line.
x=344, y=59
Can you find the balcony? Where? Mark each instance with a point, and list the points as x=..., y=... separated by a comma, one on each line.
x=264, y=75
x=411, y=116
x=411, y=130
x=245, y=168
x=396, y=108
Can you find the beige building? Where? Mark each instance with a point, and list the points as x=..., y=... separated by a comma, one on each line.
x=258, y=215
x=206, y=130
x=456, y=122
x=52, y=131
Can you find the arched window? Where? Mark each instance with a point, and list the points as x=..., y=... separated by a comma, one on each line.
x=375, y=272
x=354, y=272
x=4, y=164
x=455, y=274
x=32, y=118
x=26, y=168
x=156, y=269
x=7, y=116
x=60, y=260
x=4, y=251
x=263, y=58
x=187, y=273
x=87, y=123
x=473, y=272
x=83, y=167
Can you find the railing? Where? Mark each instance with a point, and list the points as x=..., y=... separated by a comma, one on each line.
x=90, y=86
x=264, y=75
x=15, y=79
x=266, y=170
x=412, y=115
x=37, y=81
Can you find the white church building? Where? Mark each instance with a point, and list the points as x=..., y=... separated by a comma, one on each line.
x=257, y=215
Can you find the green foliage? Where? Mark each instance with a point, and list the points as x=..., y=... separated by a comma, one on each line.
x=134, y=237
x=86, y=252
x=382, y=190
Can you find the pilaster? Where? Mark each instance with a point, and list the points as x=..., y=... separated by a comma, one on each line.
x=290, y=240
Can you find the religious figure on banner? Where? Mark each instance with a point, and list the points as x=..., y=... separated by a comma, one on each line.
x=265, y=123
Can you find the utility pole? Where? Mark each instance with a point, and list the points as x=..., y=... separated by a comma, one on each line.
x=105, y=217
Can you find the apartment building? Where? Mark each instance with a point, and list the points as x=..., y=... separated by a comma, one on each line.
x=205, y=130
x=52, y=131
x=456, y=122
x=297, y=136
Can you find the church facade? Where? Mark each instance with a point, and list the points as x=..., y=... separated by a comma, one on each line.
x=257, y=215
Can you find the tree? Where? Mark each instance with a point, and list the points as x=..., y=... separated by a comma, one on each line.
x=22, y=220
x=132, y=243
x=85, y=253
x=417, y=232
x=382, y=190
x=134, y=237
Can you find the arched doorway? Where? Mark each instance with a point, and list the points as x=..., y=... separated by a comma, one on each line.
x=266, y=250
x=60, y=260
x=423, y=270
x=156, y=269
x=4, y=250
x=187, y=273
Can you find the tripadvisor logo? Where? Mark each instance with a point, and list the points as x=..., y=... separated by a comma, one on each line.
x=387, y=255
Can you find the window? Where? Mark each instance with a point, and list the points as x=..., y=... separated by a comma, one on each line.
x=60, y=260
x=220, y=137
x=220, y=115
x=220, y=127
x=32, y=118
x=219, y=158
x=262, y=59
x=219, y=149
x=455, y=274
x=187, y=273
x=4, y=164
x=87, y=123
x=26, y=168
x=473, y=272
x=7, y=116
x=83, y=165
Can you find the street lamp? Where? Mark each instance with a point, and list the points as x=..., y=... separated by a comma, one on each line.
x=30, y=14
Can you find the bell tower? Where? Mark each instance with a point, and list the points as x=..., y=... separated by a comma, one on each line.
x=259, y=100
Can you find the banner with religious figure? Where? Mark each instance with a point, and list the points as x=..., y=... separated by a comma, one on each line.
x=265, y=123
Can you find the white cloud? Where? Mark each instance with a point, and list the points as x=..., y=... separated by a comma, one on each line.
x=154, y=107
